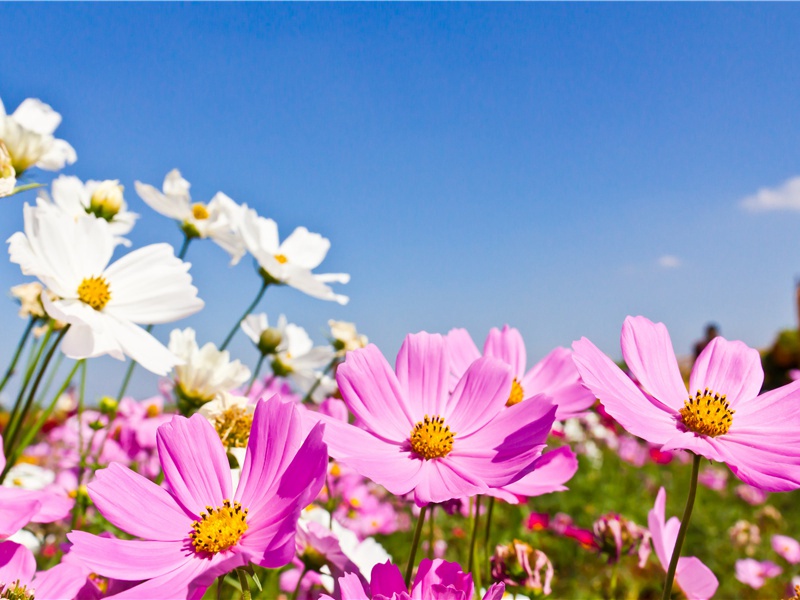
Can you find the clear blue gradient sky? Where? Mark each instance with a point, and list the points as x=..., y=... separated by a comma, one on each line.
x=472, y=164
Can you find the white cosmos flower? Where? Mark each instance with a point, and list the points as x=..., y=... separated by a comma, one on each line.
x=104, y=304
x=297, y=358
x=215, y=220
x=205, y=371
x=292, y=261
x=232, y=418
x=8, y=176
x=103, y=199
x=28, y=135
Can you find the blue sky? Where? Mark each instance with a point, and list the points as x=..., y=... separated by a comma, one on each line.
x=551, y=166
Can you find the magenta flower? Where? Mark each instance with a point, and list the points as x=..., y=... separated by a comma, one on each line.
x=199, y=527
x=786, y=547
x=723, y=418
x=692, y=576
x=555, y=375
x=751, y=572
x=435, y=580
x=415, y=436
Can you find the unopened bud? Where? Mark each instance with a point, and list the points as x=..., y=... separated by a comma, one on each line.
x=106, y=199
x=269, y=341
x=108, y=406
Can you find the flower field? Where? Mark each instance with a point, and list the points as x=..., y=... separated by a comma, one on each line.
x=460, y=468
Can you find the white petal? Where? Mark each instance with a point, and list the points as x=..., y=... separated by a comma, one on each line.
x=170, y=206
x=254, y=325
x=59, y=154
x=305, y=249
x=37, y=116
x=306, y=282
x=143, y=347
x=176, y=186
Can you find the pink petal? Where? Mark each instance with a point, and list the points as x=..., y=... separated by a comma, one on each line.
x=480, y=395
x=463, y=352
x=730, y=368
x=551, y=471
x=703, y=445
x=620, y=396
x=507, y=345
x=695, y=579
x=772, y=468
x=194, y=462
x=776, y=407
x=64, y=580
x=446, y=478
x=655, y=522
x=647, y=350
x=423, y=371
x=556, y=376
x=16, y=562
x=386, y=580
x=352, y=588
x=130, y=560
x=373, y=394
x=16, y=511
x=438, y=571
x=137, y=505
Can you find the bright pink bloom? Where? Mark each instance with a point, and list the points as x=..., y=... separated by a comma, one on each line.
x=414, y=435
x=435, y=580
x=788, y=548
x=723, y=419
x=19, y=507
x=692, y=576
x=751, y=572
x=555, y=375
x=18, y=570
x=199, y=527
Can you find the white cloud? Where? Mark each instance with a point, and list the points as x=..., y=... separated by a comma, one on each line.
x=784, y=197
x=669, y=262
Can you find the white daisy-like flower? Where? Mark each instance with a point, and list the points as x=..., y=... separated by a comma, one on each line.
x=292, y=261
x=297, y=358
x=103, y=199
x=232, y=418
x=215, y=220
x=104, y=304
x=345, y=337
x=8, y=176
x=205, y=371
x=28, y=135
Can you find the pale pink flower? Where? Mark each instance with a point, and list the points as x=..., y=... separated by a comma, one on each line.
x=788, y=548
x=751, y=572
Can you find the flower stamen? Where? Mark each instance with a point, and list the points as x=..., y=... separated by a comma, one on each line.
x=431, y=438
x=517, y=393
x=707, y=413
x=281, y=259
x=219, y=529
x=199, y=211
x=95, y=292
x=233, y=427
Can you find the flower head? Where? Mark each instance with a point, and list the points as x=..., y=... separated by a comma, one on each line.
x=788, y=548
x=8, y=176
x=200, y=528
x=28, y=136
x=722, y=418
x=104, y=303
x=754, y=573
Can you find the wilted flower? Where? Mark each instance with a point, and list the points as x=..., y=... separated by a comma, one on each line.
x=28, y=137
x=616, y=536
x=204, y=372
x=517, y=564
x=751, y=572
x=29, y=296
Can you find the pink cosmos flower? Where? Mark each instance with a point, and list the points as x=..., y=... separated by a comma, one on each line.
x=555, y=375
x=692, y=576
x=786, y=547
x=551, y=471
x=18, y=575
x=751, y=572
x=414, y=435
x=723, y=418
x=435, y=580
x=18, y=507
x=199, y=527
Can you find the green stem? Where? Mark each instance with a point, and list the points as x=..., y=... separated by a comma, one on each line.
x=489, y=511
x=25, y=188
x=414, y=544
x=687, y=513
x=244, y=583
x=76, y=510
x=475, y=524
x=52, y=376
x=184, y=247
x=22, y=341
x=247, y=311
x=32, y=395
x=431, y=524
x=255, y=373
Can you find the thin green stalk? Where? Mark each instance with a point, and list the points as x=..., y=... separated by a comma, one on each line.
x=414, y=544
x=687, y=513
x=53, y=372
x=475, y=525
x=11, y=368
x=296, y=591
x=184, y=246
x=32, y=395
x=76, y=509
x=255, y=373
x=244, y=583
x=489, y=511
x=247, y=311
x=317, y=383
x=431, y=524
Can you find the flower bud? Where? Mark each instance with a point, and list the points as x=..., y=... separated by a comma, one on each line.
x=108, y=406
x=106, y=199
x=269, y=341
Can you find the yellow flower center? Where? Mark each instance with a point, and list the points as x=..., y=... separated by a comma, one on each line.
x=152, y=411
x=199, y=211
x=517, y=394
x=95, y=292
x=233, y=427
x=219, y=528
x=281, y=259
x=431, y=438
x=707, y=414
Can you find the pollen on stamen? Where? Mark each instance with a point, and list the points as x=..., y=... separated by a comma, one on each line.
x=219, y=529
x=517, y=393
x=431, y=438
x=233, y=427
x=707, y=413
x=95, y=292
x=199, y=211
